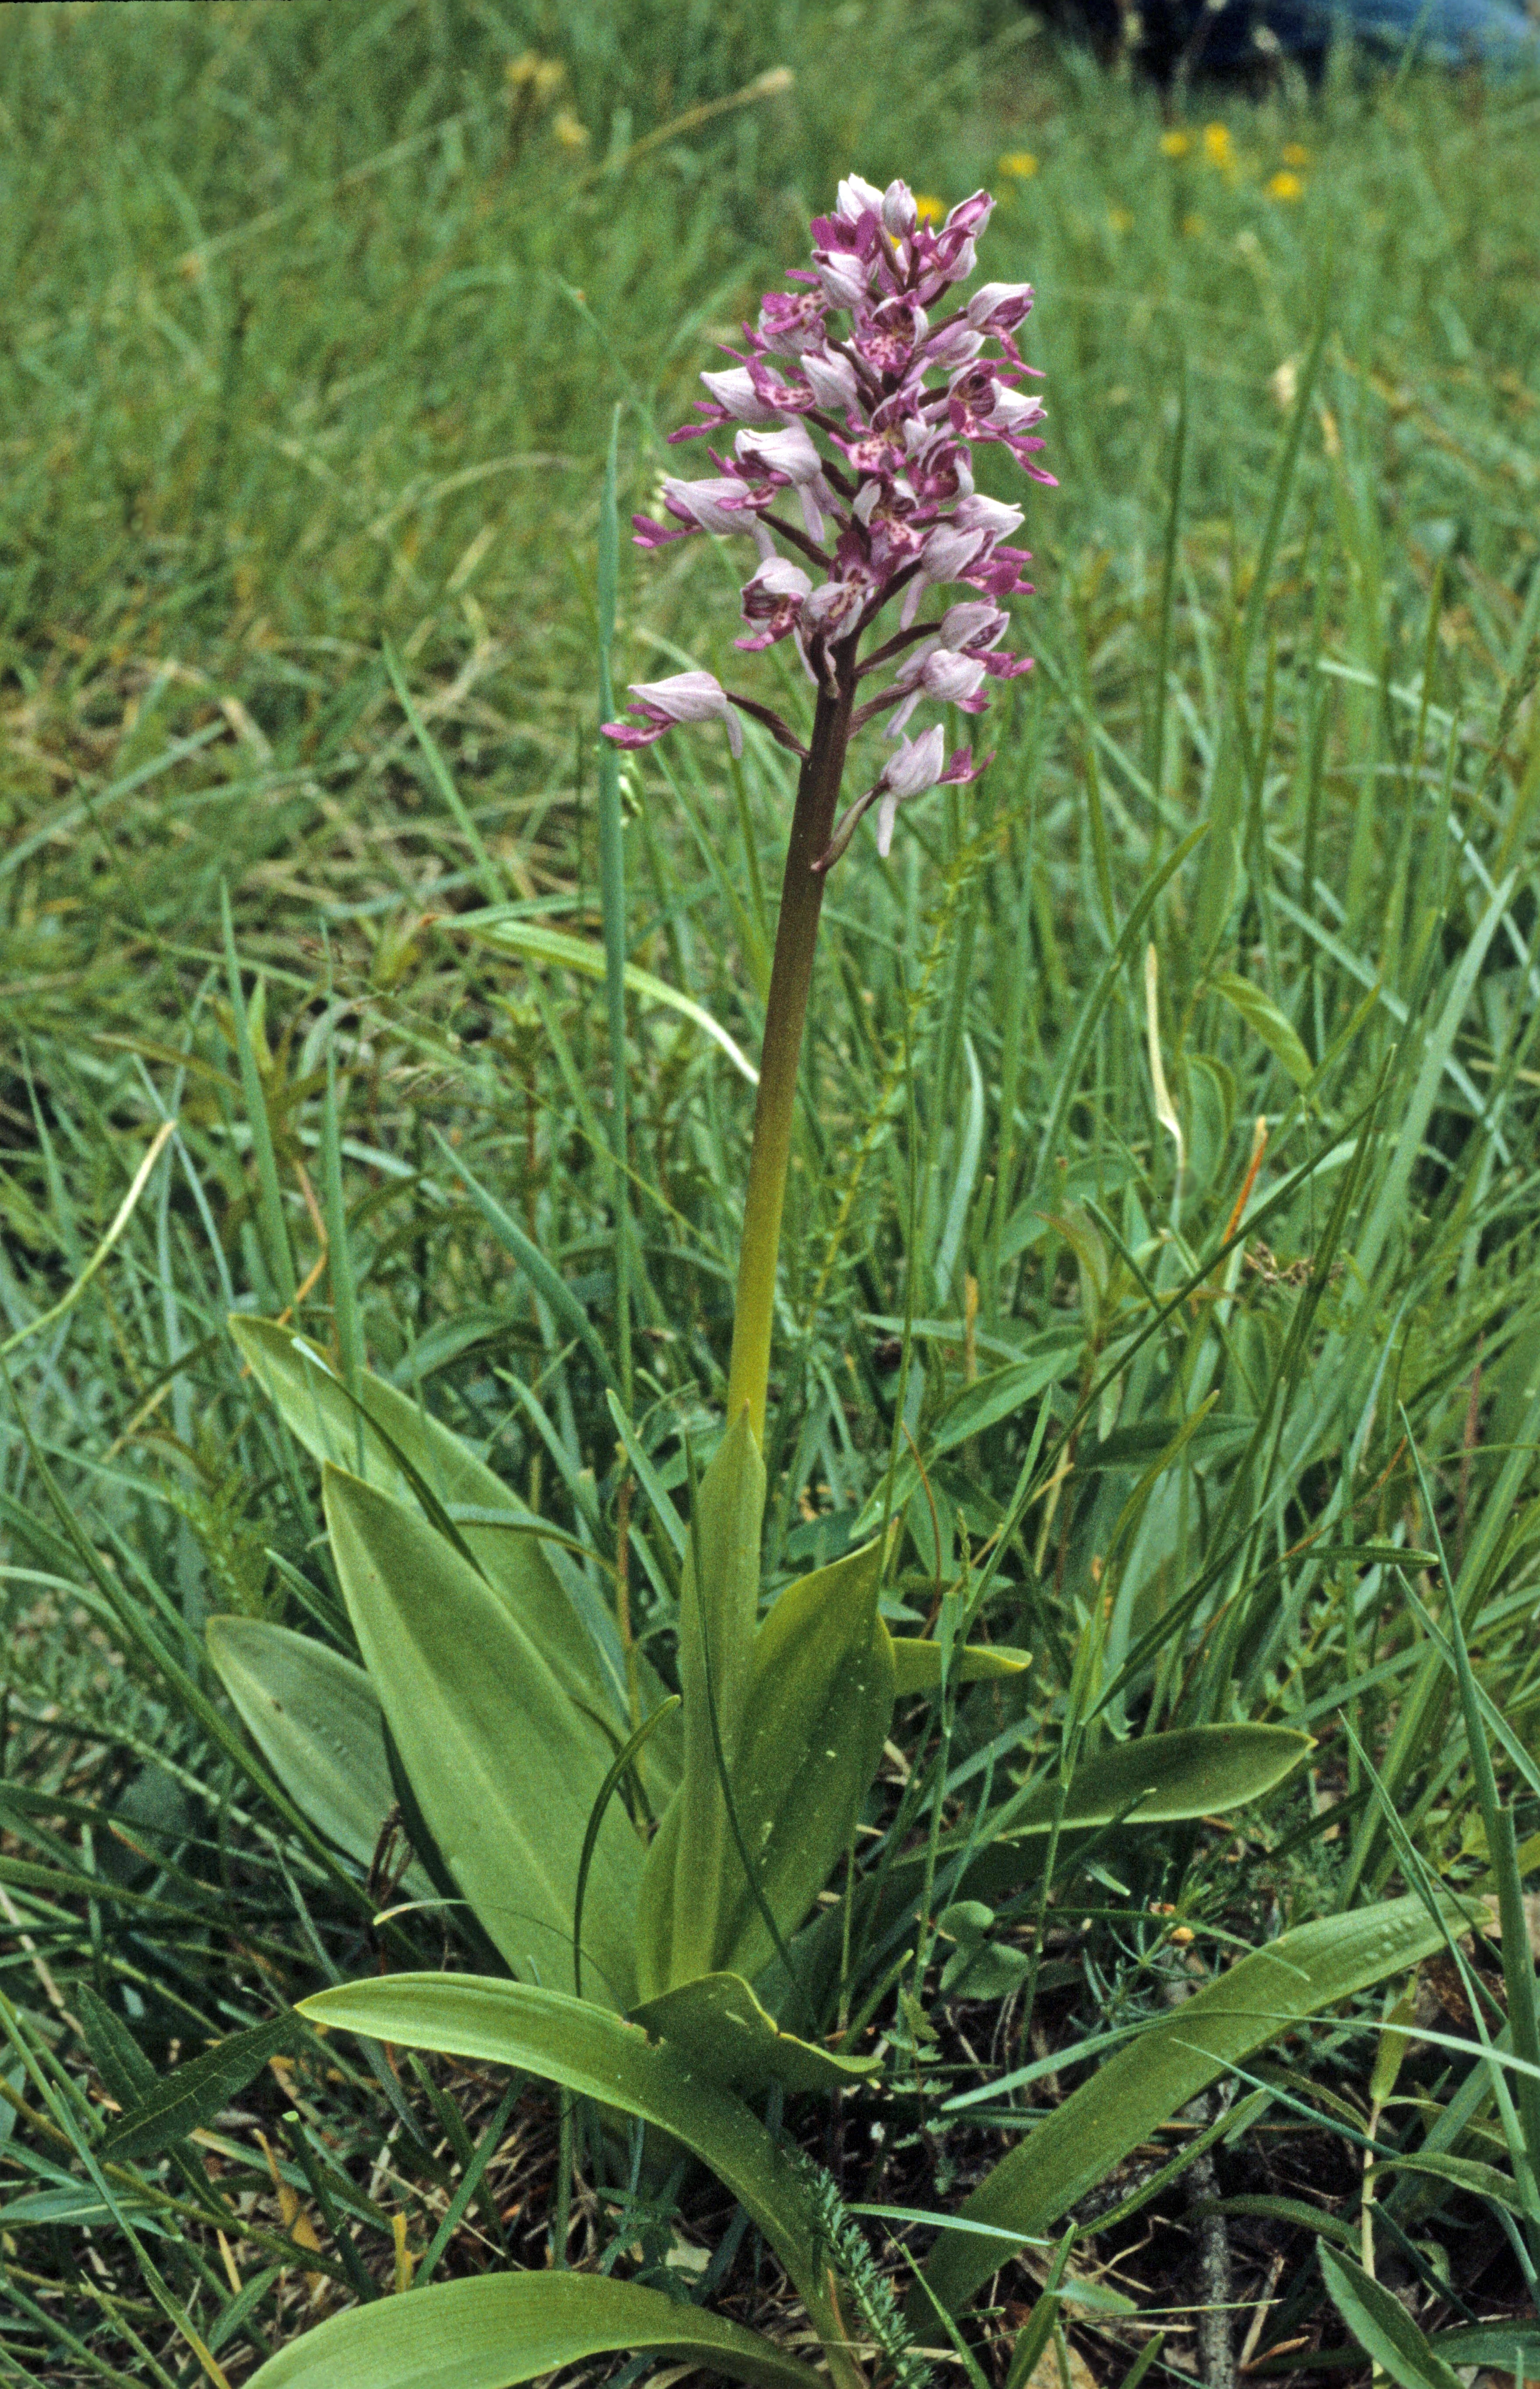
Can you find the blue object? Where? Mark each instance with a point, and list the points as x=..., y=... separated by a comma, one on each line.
x=1239, y=38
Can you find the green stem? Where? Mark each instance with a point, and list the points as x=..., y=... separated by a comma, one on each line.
x=790, y=978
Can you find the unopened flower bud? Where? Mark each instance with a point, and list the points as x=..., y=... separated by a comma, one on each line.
x=856, y=198
x=900, y=211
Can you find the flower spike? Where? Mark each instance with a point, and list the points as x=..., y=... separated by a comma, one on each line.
x=850, y=415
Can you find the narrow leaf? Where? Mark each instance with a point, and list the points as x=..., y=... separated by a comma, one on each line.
x=1381, y=2326
x=1145, y=2083
x=917, y=1664
x=193, y=2094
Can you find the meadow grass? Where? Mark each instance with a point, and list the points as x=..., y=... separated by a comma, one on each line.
x=1167, y=1182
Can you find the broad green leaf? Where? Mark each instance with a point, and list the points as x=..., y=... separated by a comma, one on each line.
x=917, y=1664
x=547, y=945
x=1162, y=1777
x=317, y=1411
x=192, y=2096
x=820, y=1707
x=719, y=2028
x=316, y=1720
x=1262, y=1016
x=1144, y=2085
x=504, y=2328
x=1381, y=2326
x=1200, y=1772
x=692, y=1856
x=505, y=1764
x=572, y=2042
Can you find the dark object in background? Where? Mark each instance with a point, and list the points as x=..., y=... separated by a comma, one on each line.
x=1241, y=41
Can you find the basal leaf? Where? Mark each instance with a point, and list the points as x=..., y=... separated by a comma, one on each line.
x=504, y=1763
x=317, y=1411
x=585, y=2048
x=1162, y=1777
x=719, y=2028
x=504, y=2328
x=117, y=2056
x=820, y=1707
x=316, y=1720
x=1145, y=2083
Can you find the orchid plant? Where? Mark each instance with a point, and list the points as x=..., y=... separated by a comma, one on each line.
x=884, y=513
x=667, y=1969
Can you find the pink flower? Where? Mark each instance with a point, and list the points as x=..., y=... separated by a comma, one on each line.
x=842, y=277
x=790, y=452
x=999, y=306
x=736, y=395
x=833, y=608
x=776, y=597
x=944, y=674
x=919, y=764
x=722, y=505
x=788, y=323
x=687, y=696
x=831, y=378
x=976, y=627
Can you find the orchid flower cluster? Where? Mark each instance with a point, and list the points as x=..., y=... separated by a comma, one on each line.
x=885, y=508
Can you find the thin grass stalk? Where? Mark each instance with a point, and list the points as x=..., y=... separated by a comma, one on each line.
x=612, y=899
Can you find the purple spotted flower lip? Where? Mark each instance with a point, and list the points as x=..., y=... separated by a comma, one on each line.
x=846, y=428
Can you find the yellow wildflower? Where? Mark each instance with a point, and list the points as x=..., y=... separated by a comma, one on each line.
x=1175, y=144
x=1295, y=154
x=1020, y=163
x=1285, y=186
x=532, y=78
x=929, y=211
x=1218, y=146
x=570, y=130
